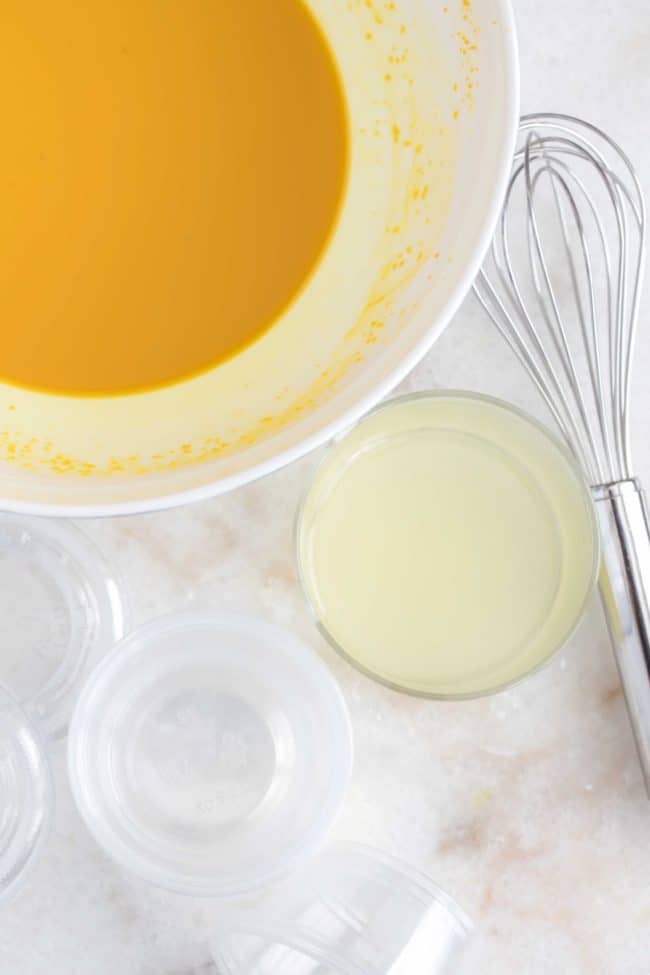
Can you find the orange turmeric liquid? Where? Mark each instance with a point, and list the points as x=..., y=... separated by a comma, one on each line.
x=171, y=171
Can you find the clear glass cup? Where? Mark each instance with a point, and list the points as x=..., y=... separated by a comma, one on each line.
x=354, y=912
x=487, y=456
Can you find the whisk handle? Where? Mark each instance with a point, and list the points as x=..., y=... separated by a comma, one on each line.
x=624, y=521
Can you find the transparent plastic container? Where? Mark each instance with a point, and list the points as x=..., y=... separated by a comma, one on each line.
x=209, y=755
x=354, y=912
x=61, y=607
x=26, y=794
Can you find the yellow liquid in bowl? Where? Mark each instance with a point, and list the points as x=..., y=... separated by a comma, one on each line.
x=171, y=173
x=447, y=545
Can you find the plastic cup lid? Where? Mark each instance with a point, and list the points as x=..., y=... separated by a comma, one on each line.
x=61, y=609
x=26, y=794
x=210, y=755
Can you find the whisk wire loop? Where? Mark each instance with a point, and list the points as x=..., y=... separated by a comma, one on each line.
x=563, y=284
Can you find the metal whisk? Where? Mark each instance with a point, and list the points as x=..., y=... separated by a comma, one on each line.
x=563, y=285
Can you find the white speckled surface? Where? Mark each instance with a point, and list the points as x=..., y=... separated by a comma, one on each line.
x=528, y=807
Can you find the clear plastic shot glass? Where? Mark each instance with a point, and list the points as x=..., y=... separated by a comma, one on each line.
x=26, y=794
x=355, y=911
x=210, y=755
x=61, y=608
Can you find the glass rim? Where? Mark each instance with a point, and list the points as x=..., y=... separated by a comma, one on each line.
x=573, y=463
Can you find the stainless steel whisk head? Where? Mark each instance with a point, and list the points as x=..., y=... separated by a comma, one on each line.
x=563, y=286
x=564, y=282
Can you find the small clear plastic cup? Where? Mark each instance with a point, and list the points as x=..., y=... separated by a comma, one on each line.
x=60, y=609
x=209, y=755
x=355, y=912
x=26, y=794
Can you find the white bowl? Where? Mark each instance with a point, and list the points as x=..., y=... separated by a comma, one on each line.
x=433, y=96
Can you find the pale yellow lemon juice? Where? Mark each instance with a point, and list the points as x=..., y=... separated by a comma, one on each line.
x=448, y=544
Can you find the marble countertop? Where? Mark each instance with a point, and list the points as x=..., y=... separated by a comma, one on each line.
x=528, y=807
